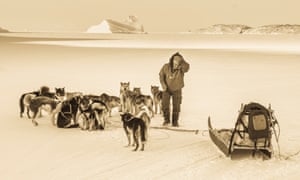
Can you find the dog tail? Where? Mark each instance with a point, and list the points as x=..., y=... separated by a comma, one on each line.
x=143, y=132
x=21, y=103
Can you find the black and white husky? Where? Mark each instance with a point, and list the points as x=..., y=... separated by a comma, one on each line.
x=136, y=127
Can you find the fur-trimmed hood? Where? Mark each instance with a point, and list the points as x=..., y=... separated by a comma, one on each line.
x=172, y=59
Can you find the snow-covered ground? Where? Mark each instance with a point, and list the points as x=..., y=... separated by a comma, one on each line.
x=218, y=82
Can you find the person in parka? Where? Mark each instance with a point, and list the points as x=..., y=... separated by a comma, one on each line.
x=171, y=78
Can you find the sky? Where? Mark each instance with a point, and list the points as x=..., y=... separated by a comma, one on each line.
x=155, y=15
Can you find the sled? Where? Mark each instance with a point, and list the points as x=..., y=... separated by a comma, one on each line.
x=252, y=132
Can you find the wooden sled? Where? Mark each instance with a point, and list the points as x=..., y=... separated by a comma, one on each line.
x=252, y=132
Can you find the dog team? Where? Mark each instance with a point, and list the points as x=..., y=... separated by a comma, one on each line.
x=91, y=112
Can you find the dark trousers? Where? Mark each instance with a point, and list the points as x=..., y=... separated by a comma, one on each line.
x=176, y=97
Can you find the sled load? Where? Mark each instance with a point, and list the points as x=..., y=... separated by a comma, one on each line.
x=253, y=131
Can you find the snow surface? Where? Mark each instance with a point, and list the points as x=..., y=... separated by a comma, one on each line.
x=217, y=83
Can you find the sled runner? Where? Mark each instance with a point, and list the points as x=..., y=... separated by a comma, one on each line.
x=252, y=131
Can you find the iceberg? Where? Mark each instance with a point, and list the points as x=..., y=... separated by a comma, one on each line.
x=3, y=30
x=131, y=25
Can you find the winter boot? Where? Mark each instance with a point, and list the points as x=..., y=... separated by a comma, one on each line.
x=166, y=118
x=175, y=117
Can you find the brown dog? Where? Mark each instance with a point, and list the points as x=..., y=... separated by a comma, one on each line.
x=157, y=97
x=140, y=98
x=39, y=101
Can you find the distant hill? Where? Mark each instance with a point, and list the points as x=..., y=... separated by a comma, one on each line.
x=244, y=29
x=275, y=29
x=224, y=29
x=3, y=30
